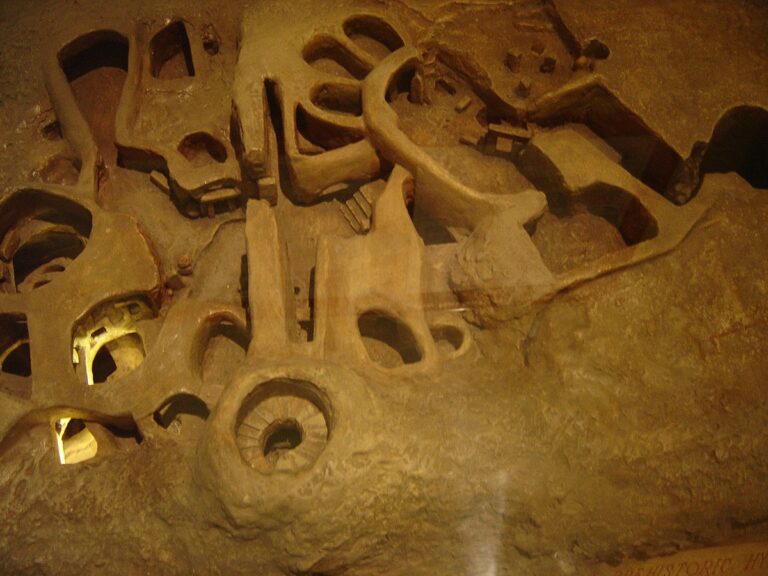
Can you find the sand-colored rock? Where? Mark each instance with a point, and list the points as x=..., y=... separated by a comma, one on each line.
x=383, y=287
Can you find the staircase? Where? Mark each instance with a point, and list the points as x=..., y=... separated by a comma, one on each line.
x=357, y=210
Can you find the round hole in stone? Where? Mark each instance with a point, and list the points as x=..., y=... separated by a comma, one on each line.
x=282, y=435
x=202, y=149
x=596, y=49
x=447, y=338
x=283, y=425
x=42, y=234
x=183, y=415
x=374, y=35
x=388, y=341
x=52, y=131
x=211, y=45
x=45, y=253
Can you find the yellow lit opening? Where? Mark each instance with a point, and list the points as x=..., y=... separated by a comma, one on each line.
x=74, y=442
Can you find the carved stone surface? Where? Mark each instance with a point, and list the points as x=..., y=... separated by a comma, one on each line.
x=373, y=287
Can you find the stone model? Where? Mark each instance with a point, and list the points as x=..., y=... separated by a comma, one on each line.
x=381, y=287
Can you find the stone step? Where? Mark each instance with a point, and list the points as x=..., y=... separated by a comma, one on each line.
x=358, y=211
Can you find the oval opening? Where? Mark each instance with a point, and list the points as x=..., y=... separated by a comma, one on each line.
x=42, y=235
x=388, y=341
x=374, y=35
x=283, y=425
x=447, y=338
x=202, y=149
x=181, y=408
x=282, y=435
x=170, y=52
